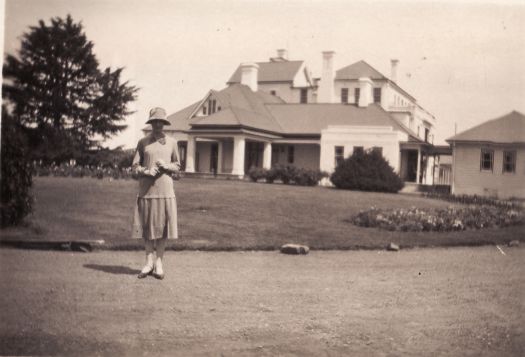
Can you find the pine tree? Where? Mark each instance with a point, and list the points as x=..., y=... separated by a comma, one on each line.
x=58, y=93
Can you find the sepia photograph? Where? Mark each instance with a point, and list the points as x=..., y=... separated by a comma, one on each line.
x=262, y=178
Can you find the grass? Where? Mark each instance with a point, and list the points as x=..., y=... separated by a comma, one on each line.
x=226, y=215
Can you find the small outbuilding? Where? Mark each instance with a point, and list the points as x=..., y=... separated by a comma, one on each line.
x=489, y=159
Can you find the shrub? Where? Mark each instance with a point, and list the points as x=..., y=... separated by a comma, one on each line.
x=366, y=171
x=16, y=173
x=285, y=173
x=271, y=175
x=256, y=173
x=308, y=177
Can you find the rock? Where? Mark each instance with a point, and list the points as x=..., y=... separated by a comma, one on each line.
x=393, y=247
x=294, y=249
x=514, y=243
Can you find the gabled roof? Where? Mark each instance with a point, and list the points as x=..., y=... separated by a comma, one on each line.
x=363, y=69
x=284, y=71
x=357, y=70
x=508, y=129
x=240, y=106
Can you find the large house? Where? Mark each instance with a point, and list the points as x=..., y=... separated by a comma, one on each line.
x=277, y=112
x=489, y=159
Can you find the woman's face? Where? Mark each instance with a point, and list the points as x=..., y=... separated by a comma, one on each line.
x=157, y=126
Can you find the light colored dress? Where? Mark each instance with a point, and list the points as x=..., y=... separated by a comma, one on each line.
x=155, y=214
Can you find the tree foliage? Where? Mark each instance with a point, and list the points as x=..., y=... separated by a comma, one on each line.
x=366, y=171
x=15, y=177
x=58, y=93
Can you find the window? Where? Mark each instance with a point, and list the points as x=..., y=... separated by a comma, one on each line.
x=509, y=161
x=358, y=150
x=427, y=132
x=344, y=95
x=290, y=154
x=487, y=159
x=339, y=155
x=272, y=92
x=378, y=149
x=377, y=95
x=211, y=106
x=304, y=95
x=219, y=108
x=204, y=110
x=356, y=95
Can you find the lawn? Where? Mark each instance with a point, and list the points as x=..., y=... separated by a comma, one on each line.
x=228, y=215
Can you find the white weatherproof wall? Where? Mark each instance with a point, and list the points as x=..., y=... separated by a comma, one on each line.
x=469, y=179
x=367, y=137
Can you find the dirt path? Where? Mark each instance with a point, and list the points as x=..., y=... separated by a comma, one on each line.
x=461, y=302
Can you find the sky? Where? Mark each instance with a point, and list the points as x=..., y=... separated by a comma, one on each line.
x=464, y=61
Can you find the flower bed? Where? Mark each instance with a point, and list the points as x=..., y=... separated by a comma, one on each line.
x=441, y=220
x=474, y=200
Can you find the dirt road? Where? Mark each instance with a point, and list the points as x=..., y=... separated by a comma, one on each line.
x=459, y=302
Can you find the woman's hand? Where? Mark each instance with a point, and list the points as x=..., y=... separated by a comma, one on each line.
x=153, y=172
x=161, y=165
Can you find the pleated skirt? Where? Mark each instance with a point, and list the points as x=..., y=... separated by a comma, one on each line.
x=155, y=218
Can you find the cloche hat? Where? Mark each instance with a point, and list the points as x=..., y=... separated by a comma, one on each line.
x=158, y=114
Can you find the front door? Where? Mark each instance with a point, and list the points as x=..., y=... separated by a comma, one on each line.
x=411, y=165
x=214, y=158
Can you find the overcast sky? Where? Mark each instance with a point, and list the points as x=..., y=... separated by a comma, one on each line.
x=464, y=61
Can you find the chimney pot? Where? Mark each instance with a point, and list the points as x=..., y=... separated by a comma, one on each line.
x=249, y=75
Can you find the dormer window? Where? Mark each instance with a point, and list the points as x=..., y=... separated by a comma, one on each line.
x=211, y=106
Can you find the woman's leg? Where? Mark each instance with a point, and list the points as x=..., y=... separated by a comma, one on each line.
x=160, y=247
x=148, y=267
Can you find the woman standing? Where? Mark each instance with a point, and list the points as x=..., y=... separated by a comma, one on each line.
x=155, y=218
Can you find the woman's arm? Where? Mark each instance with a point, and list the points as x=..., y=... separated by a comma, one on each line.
x=138, y=161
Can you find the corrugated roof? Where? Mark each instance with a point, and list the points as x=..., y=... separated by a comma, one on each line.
x=508, y=129
x=358, y=70
x=284, y=71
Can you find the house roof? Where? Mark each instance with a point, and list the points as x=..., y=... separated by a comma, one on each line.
x=508, y=129
x=312, y=118
x=363, y=69
x=357, y=70
x=282, y=71
x=241, y=107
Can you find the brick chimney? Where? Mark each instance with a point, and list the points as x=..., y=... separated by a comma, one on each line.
x=365, y=92
x=249, y=75
x=326, y=85
x=393, y=70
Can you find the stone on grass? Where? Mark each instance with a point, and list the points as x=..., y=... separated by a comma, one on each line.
x=294, y=249
x=514, y=243
x=393, y=247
